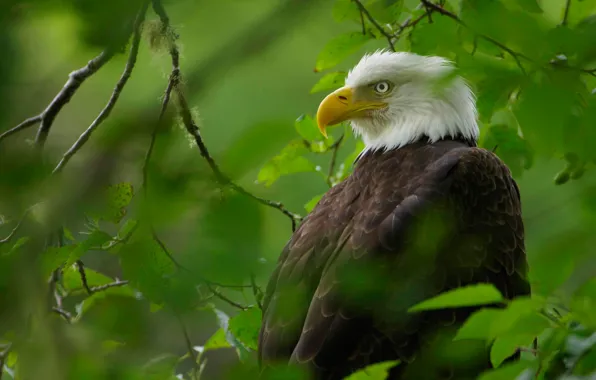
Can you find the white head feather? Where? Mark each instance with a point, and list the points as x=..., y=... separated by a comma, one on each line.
x=420, y=105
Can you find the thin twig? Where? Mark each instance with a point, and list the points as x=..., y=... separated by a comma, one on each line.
x=224, y=298
x=191, y=352
x=83, y=274
x=362, y=22
x=24, y=125
x=334, y=148
x=370, y=18
x=256, y=291
x=192, y=128
x=114, y=284
x=16, y=228
x=75, y=79
x=63, y=313
x=566, y=13
x=105, y=112
x=516, y=55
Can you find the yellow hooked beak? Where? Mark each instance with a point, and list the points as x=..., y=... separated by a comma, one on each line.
x=340, y=106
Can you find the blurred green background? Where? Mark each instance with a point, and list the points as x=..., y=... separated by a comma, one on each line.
x=247, y=67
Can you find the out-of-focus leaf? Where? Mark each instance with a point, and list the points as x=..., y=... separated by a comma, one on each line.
x=340, y=48
x=289, y=161
x=506, y=142
x=504, y=347
x=224, y=322
x=477, y=326
x=345, y=10
x=94, y=240
x=161, y=368
x=506, y=372
x=424, y=40
x=112, y=207
x=583, y=304
x=54, y=257
x=245, y=327
x=329, y=81
x=307, y=128
x=310, y=205
x=378, y=371
x=471, y=295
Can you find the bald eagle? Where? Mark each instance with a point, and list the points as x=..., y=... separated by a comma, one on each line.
x=424, y=211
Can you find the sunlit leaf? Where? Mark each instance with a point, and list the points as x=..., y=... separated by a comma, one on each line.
x=506, y=372
x=217, y=340
x=307, y=128
x=471, y=295
x=245, y=327
x=289, y=161
x=477, y=326
x=339, y=48
x=378, y=371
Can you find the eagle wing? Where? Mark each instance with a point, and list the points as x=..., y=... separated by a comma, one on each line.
x=485, y=243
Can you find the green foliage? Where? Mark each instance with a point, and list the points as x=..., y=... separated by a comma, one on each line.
x=138, y=257
x=471, y=295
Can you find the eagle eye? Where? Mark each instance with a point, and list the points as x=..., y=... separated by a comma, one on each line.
x=382, y=87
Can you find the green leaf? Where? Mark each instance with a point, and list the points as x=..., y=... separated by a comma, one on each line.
x=71, y=278
x=340, y=48
x=424, y=40
x=113, y=204
x=245, y=327
x=307, y=128
x=378, y=371
x=217, y=340
x=506, y=142
x=477, y=326
x=310, y=205
x=504, y=347
x=345, y=10
x=289, y=161
x=330, y=81
x=507, y=372
x=472, y=295
x=94, y=240
x=224, y=322
x=161, y=368
x=54, y=257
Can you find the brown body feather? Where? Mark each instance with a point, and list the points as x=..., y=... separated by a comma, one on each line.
x=406, y=225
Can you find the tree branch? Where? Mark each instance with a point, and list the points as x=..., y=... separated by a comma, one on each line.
x=63, y=313
x=105, y=112
x=430, y=5
x=24, y=125
x=191, y=352
x=334, y=148
x=566, y=13
x=115, y=284
x=83, y=274
x=193, y=129
x=75, y=79
x=370, y=18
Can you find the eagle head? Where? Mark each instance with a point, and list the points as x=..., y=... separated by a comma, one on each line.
x=396, y=98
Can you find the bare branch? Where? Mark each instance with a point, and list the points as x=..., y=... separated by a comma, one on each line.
x=24, y=125
x=566, y=13
x=191, y=352
x=81, y=269
x=193, y=129
x=334, y=148
x=16, y=228
x=516, y=56
x=370, y=18
x=114, y=284
x=105, y=112
x=224, y=298
x=63, y=313
x=75, y=79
